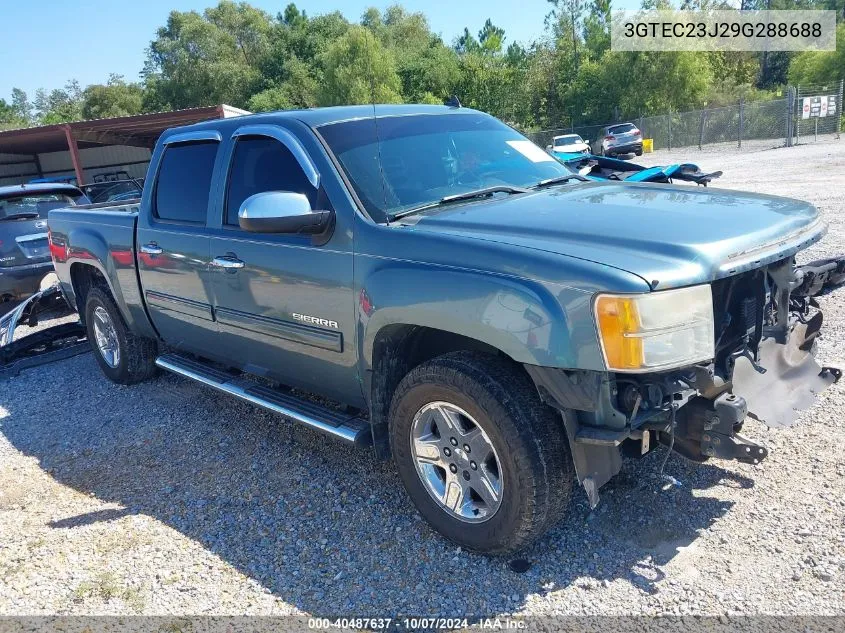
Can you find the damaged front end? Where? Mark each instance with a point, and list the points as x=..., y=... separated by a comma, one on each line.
x=766, y=326
x=604, y=168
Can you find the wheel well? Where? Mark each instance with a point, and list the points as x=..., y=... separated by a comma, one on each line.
x=396, y=351
x=84, y=277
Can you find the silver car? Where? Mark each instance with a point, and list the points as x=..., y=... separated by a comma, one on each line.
x=622, y=138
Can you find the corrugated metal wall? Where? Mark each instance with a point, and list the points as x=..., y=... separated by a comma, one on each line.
x=15, y=168
x=95, y=160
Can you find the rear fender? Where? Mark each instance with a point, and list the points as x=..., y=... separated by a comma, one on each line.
x=116, y=265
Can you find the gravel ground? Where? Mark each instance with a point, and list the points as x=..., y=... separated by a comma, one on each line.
x=166, y=498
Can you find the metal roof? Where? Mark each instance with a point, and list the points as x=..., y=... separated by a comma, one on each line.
x=11, y=190
x=140, y=130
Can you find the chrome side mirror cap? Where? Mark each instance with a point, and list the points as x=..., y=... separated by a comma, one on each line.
x=283, y=212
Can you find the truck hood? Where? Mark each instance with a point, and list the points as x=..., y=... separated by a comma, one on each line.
x=670, y=236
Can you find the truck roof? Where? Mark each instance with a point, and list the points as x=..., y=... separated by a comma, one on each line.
x=315, y=117
x=11, y=190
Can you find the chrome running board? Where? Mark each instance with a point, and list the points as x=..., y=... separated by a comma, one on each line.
x=329, y=421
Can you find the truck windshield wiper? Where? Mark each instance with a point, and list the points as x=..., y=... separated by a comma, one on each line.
x=460, y=197
x=557, y=180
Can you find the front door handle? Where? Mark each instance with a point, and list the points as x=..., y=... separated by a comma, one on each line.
x=152, y=249
x=228, y=262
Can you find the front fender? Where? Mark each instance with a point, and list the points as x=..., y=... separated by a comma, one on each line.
x=532, y=322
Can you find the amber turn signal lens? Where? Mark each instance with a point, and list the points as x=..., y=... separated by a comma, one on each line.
x=617, y=317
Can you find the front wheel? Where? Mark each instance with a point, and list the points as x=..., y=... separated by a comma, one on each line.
x=124, y=357
x=483, y=459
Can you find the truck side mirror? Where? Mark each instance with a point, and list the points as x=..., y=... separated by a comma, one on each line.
x=284, y=212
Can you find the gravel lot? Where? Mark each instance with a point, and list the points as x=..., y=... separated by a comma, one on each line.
x=166, y=498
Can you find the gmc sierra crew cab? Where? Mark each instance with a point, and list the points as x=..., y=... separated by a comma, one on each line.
x=457, y=298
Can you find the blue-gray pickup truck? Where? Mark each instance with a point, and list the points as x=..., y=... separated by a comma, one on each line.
x=458, y=300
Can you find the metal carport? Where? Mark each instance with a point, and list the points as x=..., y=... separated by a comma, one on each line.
x=83, y=149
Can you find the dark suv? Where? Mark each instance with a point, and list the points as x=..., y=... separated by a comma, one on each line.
x=24, y=253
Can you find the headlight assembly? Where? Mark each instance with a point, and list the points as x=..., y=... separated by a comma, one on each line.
x=657, y=330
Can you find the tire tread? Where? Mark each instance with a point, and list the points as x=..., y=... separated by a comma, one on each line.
x=533, y=432
x=139, y=352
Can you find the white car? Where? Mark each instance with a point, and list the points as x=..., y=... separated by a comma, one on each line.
x=569, y=144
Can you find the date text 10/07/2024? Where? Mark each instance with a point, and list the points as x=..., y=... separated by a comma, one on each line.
x=417, y=623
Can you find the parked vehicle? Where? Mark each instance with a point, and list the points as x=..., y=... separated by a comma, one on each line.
x=113, y=190
x=111, y=176
x=616, y=140
x=569, y=144
x=24, y=256
x=499, y=325
x=68, y=180
x=603, y=168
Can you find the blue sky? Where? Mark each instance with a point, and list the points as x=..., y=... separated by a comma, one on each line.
x=47, y=42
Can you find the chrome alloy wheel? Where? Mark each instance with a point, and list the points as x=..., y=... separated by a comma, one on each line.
x=106, y=337
x=456, y=462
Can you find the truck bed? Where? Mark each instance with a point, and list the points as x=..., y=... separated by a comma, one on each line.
x=102, y=235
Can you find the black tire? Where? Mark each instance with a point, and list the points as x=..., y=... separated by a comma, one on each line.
x=137, y=354
x=639, y=152
x=528, y=437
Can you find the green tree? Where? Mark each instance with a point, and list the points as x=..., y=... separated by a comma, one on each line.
x=297, y=90
x=115, y=98
x=491, y=38
x=18, y=113
x=359, y=70
x=293, y=69
x=210, y=58
x=10, y=119
x=820, y=67
x=427, y=68
x=597, y=28
x=60, y=105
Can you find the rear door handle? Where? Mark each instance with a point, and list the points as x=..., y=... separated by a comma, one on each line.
x=228, y=262
x=152, y=249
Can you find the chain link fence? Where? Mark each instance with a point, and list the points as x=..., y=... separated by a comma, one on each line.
x=806, y=114
x=817, y=112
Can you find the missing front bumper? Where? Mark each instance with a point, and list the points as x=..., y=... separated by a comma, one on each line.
x=45, y=345
x=710, y=428
x=785, y=379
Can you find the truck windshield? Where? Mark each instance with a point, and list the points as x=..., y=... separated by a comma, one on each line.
x=401, y=162
x=34, y=205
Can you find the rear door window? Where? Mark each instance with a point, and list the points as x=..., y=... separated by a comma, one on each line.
x=184, y=182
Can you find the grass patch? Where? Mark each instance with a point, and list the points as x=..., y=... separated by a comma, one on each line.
x=106, y=587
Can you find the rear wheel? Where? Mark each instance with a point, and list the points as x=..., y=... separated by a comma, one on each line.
x=484, y=461
x=123, y=357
